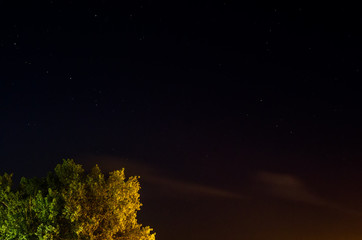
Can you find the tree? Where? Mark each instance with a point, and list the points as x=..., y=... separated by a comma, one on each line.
x=71, y=204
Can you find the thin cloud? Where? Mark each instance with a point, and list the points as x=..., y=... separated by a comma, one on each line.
x=154, y=176
x=192, y=188
x=291, y=188
x=288, y=187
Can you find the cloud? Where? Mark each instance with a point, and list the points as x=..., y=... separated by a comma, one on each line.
x=291, y=188
x=288, y=187
x=185, y=187
x=155, y=177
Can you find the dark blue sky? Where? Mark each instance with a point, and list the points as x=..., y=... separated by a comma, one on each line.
x=241, y=119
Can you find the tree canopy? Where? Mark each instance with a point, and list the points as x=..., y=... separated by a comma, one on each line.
x=70, y=203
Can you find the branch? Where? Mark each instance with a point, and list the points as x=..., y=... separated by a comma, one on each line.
x=5, y=204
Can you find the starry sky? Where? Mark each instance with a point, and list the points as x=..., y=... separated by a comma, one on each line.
x=243, y=121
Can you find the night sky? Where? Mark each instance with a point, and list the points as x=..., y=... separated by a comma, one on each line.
x=244, y=122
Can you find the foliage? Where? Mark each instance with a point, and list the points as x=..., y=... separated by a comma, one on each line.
x=72, y=204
